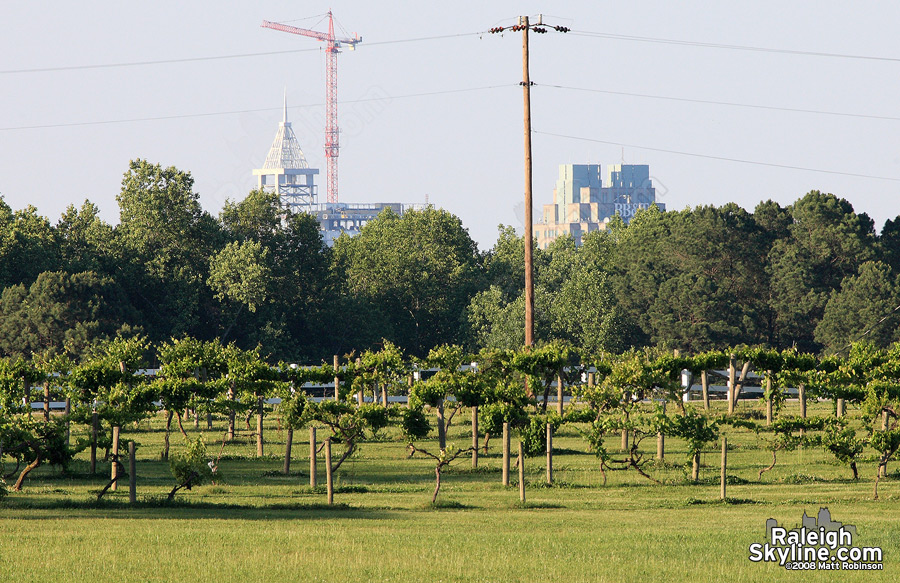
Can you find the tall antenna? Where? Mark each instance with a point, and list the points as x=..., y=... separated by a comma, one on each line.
x=332, y=49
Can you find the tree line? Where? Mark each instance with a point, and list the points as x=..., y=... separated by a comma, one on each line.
x=814, y=276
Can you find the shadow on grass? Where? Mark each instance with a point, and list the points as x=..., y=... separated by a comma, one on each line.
x=447, y=505
x=728, y=501
x=159, y=507
x=537, y=505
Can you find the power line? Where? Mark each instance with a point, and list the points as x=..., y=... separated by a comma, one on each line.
x=240, y=111
x=725, y=103
x=722, y=158
x=670, y=41
x=218, y=57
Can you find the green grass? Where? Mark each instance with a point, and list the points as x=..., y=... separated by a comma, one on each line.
x=256, y=524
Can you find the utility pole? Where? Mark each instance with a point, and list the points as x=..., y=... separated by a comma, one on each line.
x=524, y=25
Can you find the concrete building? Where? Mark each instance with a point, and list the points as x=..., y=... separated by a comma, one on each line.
x=583, y=203
x=287, y=173
x=349, y=217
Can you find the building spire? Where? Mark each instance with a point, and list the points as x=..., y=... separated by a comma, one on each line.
x=284, y=121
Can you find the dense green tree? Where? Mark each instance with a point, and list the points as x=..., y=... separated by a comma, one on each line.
x=692, y=278
x=27, y=246
x=240, y=273
x=828, y=242
x=420, y=270
x=85, y=241
x=62, y=313
x=290, y=266
x=864, y=308
x=166, y=239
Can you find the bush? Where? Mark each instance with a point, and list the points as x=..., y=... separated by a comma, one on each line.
x=190, y=467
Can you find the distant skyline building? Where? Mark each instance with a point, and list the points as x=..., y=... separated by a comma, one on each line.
x=285, y=171
x=583, y=202
x=287, y=174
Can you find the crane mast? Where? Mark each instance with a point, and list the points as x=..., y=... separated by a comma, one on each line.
x=333, y=45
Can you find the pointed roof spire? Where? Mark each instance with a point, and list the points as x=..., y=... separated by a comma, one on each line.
x=285, y=151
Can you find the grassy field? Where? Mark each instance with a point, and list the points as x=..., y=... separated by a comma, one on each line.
x=257, y=524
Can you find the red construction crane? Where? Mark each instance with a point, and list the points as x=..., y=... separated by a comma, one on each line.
x=332, y=133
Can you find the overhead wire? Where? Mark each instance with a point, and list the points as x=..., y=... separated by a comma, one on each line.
x=671, y=41
x=219, y=57
x=723, y=103
x=258, y=110
x=714, y=157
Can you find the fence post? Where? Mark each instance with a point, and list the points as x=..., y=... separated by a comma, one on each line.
x=114, y=472
x=259, y=426
x=505, y=474
x=132, y=474
x=661, y=439
x=287, y=450
x=441, y=427
x=732, y=380
x=94, y=422
x=337, y=380
x=839, y=408
x=801, y=390
x=882, y=470
x=724, y=464
x=549, y=454
x=704, y=383
x=329, y=481
x=559, y=394
x=769, y=410
x=475, y=436
x=312, y=457
x=47, y=402
x=231, y=414
x=521, y=472
x=68, y=412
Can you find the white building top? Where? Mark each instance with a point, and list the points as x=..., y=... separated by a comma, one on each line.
x=285, y=151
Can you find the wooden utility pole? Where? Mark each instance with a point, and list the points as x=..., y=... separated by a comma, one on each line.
x=529, y=264
x=524, y=25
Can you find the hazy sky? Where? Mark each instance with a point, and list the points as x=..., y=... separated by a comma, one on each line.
x=462, y=144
